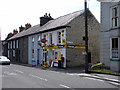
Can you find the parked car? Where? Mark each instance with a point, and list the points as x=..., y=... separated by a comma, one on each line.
x=4, y=60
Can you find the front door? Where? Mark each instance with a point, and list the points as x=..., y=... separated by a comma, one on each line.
x=38, y=56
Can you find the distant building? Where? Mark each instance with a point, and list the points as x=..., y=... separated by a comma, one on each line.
x=110, y=35
x=63, y=40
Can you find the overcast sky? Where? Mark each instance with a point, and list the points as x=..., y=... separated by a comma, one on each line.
x=14, y=13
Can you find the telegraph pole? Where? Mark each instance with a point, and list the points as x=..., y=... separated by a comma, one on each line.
x=86, y=39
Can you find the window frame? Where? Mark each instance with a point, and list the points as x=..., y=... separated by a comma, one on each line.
x=50, y=38
x=115, y=17
x=14, y=44
x=11, y=45
x=111, y=48
x=59, y=37
x=17, y=44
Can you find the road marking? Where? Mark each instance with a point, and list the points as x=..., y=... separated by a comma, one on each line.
x=93, y=79
x=115, y=83
x=38, y=77
x=66, y=86
x=112, y=80
x=8, y=73
x=5, y=67
x=18, y=71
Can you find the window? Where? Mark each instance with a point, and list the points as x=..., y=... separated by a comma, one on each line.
x=115, y=17
x=11, y=44
x=50, y=38
x=32, y=41
x=59, y=37
x=45, y=37
x=13, y=53
x=114, y=47
x=32, y=53
x=8, y=46
x=17, y=44
x=38, y=38
x=14, y=44
x=8, y=53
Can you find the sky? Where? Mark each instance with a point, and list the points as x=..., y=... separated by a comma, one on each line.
x=14, y=13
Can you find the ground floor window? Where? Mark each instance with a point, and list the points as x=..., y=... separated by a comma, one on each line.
x=114, y=47
x=13, y=53
x=8, y=54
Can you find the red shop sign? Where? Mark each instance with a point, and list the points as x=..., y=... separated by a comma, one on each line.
x=43, y=40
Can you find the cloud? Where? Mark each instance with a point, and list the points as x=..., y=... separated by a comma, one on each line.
x=15, y=13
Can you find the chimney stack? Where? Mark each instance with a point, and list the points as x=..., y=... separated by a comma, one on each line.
x=21, y=28
x=15, y=31
x=28, y=25
x=45, y=19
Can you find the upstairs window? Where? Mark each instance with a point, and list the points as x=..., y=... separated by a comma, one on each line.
x=39, y=38
x=33, y=41
x=115, y=17
x=11, y=44
x=59, y=37
x=17, y=44
x=50, y=38
x=45, y=37
x=8, y=45
x=14, y=44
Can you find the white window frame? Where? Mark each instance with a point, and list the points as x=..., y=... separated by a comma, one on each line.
x=115, y=17
x=111, y=56
x=39, y=38
x=33, y=39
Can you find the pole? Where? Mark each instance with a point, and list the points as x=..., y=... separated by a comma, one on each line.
x=86, y=39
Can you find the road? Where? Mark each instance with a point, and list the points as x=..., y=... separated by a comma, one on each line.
x=17, y=76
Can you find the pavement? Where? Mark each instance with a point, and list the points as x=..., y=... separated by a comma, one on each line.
x=78, y=71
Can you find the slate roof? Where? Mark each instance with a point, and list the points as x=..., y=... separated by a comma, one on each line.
x=58, y=22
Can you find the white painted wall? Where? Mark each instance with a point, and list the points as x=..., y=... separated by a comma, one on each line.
x=36, y=47
x=55, y=42
x=106, y=33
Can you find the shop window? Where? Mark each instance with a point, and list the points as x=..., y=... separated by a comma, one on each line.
x=114, y=47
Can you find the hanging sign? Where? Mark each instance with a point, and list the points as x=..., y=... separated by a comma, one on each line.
x=43, y=40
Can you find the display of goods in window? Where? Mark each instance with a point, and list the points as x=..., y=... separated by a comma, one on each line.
x=40, y=44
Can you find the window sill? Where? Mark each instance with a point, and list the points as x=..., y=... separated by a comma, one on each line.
x=115, y=59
